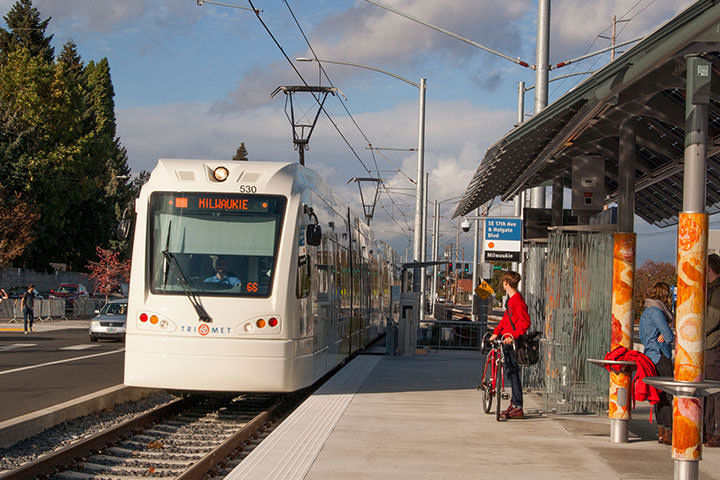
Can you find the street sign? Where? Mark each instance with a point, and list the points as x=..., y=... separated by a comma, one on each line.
x=503, y=239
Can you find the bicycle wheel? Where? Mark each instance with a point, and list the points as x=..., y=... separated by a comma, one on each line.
x=499, y=384
x=488, y=391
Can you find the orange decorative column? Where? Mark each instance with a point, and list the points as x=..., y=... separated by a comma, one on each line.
x=621, y=336
x=689, y=348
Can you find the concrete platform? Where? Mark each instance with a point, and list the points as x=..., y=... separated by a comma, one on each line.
x=420, y=417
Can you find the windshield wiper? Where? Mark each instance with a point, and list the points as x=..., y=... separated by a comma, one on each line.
x=170, y=259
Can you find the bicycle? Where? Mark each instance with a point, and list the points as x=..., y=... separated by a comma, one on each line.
x=492, y=383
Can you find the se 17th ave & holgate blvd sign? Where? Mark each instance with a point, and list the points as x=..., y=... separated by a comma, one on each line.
x=503, y=239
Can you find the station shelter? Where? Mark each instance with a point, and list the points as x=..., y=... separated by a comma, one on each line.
x=643, y=134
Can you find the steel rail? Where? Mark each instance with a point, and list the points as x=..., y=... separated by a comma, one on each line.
x=48, y=464
x=204, y=466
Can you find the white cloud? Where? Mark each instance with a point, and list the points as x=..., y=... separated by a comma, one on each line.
x=369, y=34
x=105, y=15
x=575, y=24
x=456, y=138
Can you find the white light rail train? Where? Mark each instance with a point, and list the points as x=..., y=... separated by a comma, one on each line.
x=249, y=276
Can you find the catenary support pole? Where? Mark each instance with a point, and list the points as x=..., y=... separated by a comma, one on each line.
x=476, y=256
x=420, y=177
x=542, y=68
x=423, y=249
x=436, y=241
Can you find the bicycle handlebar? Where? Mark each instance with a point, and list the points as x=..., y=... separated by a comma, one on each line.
x=499, y=341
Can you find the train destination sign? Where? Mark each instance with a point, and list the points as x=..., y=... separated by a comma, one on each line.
x=502, y=239
x=194, y=202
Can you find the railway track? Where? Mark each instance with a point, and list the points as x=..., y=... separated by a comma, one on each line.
x=184, y=440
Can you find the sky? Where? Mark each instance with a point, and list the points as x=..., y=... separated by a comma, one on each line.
x=194, y=81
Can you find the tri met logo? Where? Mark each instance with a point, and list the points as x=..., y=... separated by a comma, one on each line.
x=204, y=330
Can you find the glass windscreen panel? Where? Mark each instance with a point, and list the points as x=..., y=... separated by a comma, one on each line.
x=224, y=244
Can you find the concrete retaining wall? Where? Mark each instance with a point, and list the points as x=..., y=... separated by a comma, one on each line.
x=20, y=428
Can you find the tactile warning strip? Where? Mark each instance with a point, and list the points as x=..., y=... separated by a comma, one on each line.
x=290, y=450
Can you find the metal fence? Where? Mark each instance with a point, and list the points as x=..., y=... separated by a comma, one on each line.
x=463, y=335
x=51, y=308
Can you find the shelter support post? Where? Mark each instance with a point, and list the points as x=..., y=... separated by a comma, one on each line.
x=623, y=283
x=692, y=261
x=621, y=332
x=626, y=176
x=557, y=202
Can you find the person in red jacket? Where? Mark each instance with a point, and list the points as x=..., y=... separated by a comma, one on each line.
x=514, y=323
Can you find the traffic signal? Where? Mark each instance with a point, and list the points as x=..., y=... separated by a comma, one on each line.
x=466, y=267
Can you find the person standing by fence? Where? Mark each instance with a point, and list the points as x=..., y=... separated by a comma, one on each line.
x=514, y=323
x=27, y=304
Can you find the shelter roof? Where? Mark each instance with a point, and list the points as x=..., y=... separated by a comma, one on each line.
x=645, y=85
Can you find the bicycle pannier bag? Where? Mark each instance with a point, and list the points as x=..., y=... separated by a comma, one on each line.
x=527, y=346
x=527, y=349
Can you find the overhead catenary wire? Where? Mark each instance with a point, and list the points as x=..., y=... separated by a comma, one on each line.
x=626, y=21
x=337, y=128
x=322, y=108
x=327, y=77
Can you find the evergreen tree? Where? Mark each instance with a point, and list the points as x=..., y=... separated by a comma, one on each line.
x=59, y=153
x=26, y=31
x=241, y=153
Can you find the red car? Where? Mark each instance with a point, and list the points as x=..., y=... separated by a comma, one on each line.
x=70, y=291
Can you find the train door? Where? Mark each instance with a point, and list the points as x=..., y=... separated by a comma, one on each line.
x=345, y=294
x=323, y=302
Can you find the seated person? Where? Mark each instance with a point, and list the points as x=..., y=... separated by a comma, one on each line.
x=222, y=276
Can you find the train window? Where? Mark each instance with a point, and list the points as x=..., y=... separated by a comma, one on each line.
x=213, y=244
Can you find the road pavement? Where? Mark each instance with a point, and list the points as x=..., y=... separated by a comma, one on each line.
x=54, y=364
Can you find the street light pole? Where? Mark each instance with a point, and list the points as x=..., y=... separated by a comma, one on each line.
x=419, y=200
x=420, y=179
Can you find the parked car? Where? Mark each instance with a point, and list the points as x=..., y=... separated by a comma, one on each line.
x=110, y=321
x=16, y=292
x=70, y=291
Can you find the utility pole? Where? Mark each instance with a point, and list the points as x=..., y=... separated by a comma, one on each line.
x=542, y=68
x=612, y=38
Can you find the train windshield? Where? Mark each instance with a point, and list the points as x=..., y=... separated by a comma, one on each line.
x=218, y=244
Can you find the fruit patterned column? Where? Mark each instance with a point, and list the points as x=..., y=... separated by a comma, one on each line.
x=622, y=321
x=689, y=349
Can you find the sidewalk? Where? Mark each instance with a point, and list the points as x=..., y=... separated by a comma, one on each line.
x=420, y=417
x=43, y=325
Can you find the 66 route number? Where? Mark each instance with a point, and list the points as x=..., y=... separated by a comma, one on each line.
x=247, y=189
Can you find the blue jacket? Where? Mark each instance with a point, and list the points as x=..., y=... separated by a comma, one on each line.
x=653, y=322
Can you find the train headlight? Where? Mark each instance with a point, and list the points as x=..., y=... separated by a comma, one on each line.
x=221, y=174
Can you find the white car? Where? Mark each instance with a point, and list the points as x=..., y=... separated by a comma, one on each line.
x=110, y=321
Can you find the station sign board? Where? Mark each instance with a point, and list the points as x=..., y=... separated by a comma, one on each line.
x=502, y=239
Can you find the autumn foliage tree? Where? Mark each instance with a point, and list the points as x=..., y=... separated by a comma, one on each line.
x=108, y=272
x=648, y=275
x=16, y=221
